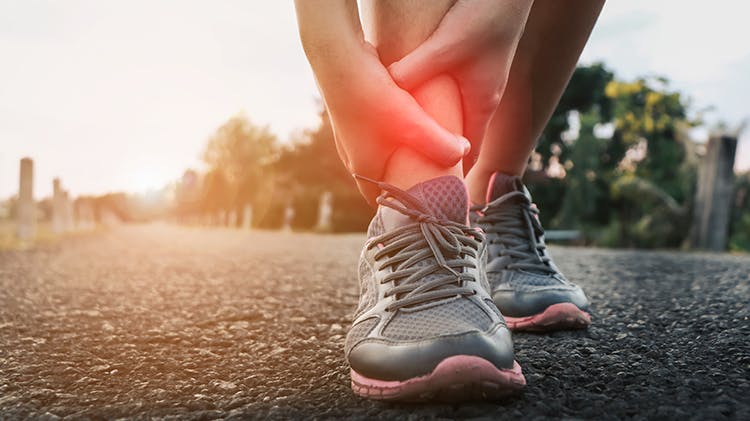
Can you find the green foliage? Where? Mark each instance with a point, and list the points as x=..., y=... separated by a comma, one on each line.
x=739, y=239
x=648, y=217
x=585, y=188
x=646, y=110
x=584, y=93
x=633, y=188
x=547, y=192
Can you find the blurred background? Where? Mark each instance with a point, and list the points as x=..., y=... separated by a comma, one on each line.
x=206, y=114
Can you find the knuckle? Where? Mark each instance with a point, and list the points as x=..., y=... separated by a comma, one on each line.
x=489, y=103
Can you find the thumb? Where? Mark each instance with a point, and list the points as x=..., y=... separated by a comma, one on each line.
x=422, y=64
x=422, y=133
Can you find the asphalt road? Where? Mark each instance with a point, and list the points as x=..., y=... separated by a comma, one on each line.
x=165, y=322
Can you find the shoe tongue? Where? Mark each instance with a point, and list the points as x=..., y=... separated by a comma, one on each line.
x=443, y=197
x=501, y=184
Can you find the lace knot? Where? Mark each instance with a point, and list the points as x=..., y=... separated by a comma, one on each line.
x=428, y=256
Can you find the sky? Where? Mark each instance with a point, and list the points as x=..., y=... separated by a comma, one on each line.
x=122, y=95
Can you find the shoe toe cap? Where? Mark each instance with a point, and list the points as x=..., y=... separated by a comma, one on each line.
x=515, y=303
x=381, y=359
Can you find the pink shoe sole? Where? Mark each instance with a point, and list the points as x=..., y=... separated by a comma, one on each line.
x=457, y=378
x=555, y=317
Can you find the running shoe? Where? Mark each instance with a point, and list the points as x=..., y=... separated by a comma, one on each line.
x=527, y=287
x=426, y=327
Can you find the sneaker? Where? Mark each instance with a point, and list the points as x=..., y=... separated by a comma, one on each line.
x=426, y=327
x=527, y=287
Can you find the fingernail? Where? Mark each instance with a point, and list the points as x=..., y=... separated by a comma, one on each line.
x=465, y=143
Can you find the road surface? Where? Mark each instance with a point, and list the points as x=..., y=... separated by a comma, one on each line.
x=190, y=323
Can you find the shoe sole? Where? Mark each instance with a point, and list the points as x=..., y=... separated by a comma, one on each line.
x=555, y=317
x=455, y=379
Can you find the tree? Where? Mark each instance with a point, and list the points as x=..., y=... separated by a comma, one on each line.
x=647, y=110
x=739, y=239
x=584, y=93
x=310, y=166
x=654, y=184
x=240, y=156
x=585, y=202
x=216, y=193
x=633, y=188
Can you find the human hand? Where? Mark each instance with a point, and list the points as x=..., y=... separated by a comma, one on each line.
x=475, y=44
x=372, y=117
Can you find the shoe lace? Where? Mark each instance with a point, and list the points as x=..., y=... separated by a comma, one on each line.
x=427, y=258
x=512, y=221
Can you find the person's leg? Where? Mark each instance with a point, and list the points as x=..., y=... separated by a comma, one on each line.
x=555, y=35
x=425, y=327
x=527, y=287
x=395, y=28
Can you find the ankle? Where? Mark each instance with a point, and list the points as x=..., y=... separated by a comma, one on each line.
x=441, y=99
x=476, y=183
x=406, y=168
x=478, y=179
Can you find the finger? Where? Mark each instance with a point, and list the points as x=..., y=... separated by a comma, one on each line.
x=428, y=60
x=479, y=108
x=423, y=134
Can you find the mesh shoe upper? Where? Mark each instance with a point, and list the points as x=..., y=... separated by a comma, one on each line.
x=523, y=278
x=424, y=293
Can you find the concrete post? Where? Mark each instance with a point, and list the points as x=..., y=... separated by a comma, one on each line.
x=713, y=199
x=247, y=217
x=26, y=229
x=58, y=207
x=67, y=212
x=232, y=219
x=325, y=211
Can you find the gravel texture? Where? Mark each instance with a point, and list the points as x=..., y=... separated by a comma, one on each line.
x=177, y=323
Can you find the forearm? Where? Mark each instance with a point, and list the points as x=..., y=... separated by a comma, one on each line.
x=334, y=44
x=330, y=32
x=371, y=116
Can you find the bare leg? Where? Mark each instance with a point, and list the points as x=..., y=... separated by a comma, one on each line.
x=555, y=35
x=395, y=28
